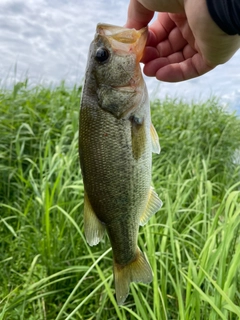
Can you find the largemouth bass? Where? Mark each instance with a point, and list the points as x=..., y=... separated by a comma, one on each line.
x=116, y=141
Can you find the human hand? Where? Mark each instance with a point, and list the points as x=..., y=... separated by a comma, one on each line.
x=184, y=42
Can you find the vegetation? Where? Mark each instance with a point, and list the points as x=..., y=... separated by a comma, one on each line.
x=193, y=243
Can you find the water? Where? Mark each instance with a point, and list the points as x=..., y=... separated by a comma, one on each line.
x=48, y=40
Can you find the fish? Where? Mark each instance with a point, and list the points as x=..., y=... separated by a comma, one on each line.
x=116, y=141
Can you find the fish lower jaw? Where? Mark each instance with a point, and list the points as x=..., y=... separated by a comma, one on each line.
x=124, y=88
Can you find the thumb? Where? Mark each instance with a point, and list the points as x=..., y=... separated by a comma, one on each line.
x=172, y=6
x=138, y=15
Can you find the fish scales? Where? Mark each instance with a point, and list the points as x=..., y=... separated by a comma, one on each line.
x=116, y=140
x=108, y=164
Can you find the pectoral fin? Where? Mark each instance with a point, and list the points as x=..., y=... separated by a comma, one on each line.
x=153, y=205
x=155, y=140
x=93, y=228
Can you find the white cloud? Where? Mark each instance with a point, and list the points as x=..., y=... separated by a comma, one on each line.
x=51, y=38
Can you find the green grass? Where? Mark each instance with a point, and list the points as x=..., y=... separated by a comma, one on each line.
x=193, y=243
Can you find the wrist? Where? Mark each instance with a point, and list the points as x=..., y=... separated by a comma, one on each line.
x=212, y=42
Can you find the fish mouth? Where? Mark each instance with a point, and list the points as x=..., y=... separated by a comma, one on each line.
x=124, y=39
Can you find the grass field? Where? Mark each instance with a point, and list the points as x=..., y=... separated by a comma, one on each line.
x=193, y=243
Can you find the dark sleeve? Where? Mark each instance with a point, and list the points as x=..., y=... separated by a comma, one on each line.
x=226, y=14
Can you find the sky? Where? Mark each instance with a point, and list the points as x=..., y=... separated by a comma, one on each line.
x=48, y=40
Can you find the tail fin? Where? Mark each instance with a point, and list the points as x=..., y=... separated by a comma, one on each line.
x=138, y=270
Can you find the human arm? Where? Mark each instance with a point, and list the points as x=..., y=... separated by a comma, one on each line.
x=184, y=42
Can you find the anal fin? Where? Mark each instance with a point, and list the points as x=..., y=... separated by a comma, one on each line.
x=137, y=270
x=155, y=140
x=93, y=228
x=153, y=205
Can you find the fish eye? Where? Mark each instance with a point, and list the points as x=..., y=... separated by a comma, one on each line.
x=102, y=55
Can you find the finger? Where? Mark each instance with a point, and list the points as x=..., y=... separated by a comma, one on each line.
x=165, y=70
x=151, y=55
x=182, y=24
x=160, y=29
x=164, y=5
x=174, y=43
x=138, y=15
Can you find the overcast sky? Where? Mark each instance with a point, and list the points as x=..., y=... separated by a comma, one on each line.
x=48, y=40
